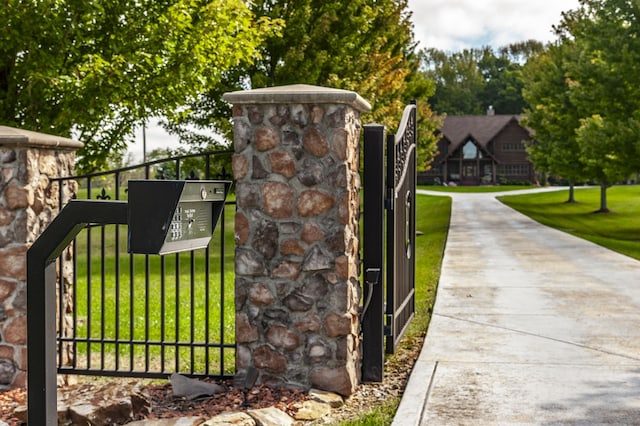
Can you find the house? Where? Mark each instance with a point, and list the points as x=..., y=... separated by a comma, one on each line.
x=481, y=150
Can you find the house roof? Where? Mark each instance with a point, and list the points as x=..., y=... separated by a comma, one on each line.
x=482, y=128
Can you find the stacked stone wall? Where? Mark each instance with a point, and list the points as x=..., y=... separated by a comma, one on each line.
x=28, y=203
x=297, y=289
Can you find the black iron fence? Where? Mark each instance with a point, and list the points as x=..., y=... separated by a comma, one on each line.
x=147, y=315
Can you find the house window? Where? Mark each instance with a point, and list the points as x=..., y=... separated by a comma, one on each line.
x=513, y=146
x=470, y=151
x=513, y=169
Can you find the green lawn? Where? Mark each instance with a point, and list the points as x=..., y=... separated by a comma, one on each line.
x=618, y=230
x=483, y=188
x=432, y=222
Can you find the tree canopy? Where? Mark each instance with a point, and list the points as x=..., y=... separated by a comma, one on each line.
x=469, y=81
x=362, y=45
x=552, y=115
x=96, y=68
x=594, y=86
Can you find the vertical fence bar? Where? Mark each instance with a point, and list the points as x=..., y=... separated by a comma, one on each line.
x=147, y=269
x=103, y=294
x=192, y=302
x=132, y=270
x=89, y=287
x=117, y=280
x=177, y=312
x=207, y=304
x=222, y=293
x=162, y=314
x=74, y=314
x=373, y=254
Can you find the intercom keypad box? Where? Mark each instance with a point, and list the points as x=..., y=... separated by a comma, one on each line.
x=173, y=216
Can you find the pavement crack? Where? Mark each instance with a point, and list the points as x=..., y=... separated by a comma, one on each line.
x=554, y=339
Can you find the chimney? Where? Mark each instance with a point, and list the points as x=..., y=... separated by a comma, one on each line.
x=490, y=110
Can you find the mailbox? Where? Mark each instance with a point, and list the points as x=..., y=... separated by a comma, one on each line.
x=169, y=216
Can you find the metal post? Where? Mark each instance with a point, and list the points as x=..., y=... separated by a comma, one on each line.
x=373, y=253
x=41, y=299
x=391, y=248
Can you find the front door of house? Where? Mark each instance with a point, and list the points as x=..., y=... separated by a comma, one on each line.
x=469, y=173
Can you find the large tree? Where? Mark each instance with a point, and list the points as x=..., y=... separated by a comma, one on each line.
x=97, y=68
x=606, y=87
x=361, y=45
x=552, y=115
x=601, y=91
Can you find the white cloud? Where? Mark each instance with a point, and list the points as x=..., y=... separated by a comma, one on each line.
x=456, y=24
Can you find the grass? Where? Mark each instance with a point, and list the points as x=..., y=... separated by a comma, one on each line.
x=476, y=189
x=618, y=230
x=432, y=221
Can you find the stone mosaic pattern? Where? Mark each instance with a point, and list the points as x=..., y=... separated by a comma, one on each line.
x=28, y=203
x=296, y=230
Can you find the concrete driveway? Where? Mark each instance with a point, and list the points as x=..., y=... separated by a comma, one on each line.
x=530, y=326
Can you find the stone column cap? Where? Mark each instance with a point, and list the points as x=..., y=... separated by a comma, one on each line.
x=298, y=94
x=11, y=136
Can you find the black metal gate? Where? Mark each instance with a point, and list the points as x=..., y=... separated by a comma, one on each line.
x=147, y=316
x=396, y=196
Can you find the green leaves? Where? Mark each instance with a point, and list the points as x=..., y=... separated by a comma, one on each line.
x=584, y=93
x=362, y=45
x=471, y=80
x=99, y=67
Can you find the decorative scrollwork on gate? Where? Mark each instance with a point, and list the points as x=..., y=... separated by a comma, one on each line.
x=405, y=144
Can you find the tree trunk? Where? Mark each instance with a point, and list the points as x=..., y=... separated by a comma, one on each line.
x=603, y=198
x=572, y=198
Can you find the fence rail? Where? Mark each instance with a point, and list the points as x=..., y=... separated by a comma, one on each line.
x=147, y=316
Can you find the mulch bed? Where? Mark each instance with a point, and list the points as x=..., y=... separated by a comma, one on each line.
x=164, y=405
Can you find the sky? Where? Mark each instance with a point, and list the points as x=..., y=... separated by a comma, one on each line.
x=450, y=25
x=453, y=25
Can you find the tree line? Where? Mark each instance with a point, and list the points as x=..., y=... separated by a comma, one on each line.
x=96, y=69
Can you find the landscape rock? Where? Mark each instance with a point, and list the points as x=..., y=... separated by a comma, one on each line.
x=192, y=388
x=333, y=399
x=178, y=421
x=100, y=414
x=271, y=416
x=101, y=405
x=311, y=410
x=236, y=418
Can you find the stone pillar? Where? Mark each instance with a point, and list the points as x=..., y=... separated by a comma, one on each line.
x=296, y=229
x=28, y=202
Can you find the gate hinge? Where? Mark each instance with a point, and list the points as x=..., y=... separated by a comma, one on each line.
x=388, y=200
x=388, y=327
